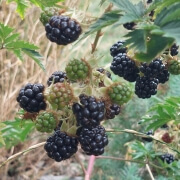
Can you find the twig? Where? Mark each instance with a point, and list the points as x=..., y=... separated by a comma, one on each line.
x=22, y=153
x=136, y=133
x=90, y=167
x=94, y=45
x=79, y=161
x=150, y=172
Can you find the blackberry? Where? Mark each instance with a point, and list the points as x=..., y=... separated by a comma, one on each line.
x=124, y=67
x=112, y=111
x=77, y=70
x=129, y=26
x=148, y=139
x=103, y=71
x=62, y=30
x=119, y=93
x=117, y=48
x=56, y=77
x=149, y=1
x=90, y=113
x=60, y=146
x=174, y=67
x=168, y=158
x=93, y=140
x=156, y=69
x=31, y=98
x=145, y=87
x=174, y=49
x=45, y=122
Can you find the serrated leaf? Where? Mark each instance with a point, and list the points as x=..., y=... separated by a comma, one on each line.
x=155, y=46
x=172, y=30
x=18, y=53
x=35, y=56
x=11, y=38
x=106, y=20
x=5, y=31
x=45, y=3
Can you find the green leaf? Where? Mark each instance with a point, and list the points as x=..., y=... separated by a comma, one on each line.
x=11, y=38
x=45, y=3
x=5, y=31
x=35, y=56
x=106, y=20
x=18, y=53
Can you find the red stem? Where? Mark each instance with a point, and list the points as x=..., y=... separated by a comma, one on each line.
x=90, y=167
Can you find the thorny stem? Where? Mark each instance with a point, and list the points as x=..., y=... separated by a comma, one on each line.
x=141, y=135
x=150, y=172
x=90, y=167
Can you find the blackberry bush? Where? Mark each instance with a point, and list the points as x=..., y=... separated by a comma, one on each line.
x=174, y=67
x=145, y=87
x=62, y=30
x=93, y=140
x=119, y=93
x=45, y=122
x=60, y=146
x=31, y=98
x=59, y=95
x=90, y=112
x=124, y=67
x=156, y=69
x=168, y=158
x=56, y=77
x=117, y=48
x=77, y=70
x=112, y=110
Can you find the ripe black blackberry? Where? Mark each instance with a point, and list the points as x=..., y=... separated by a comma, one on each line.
x=103, y=71
x=56, y=77
x=90, y=113
x=62, y=30
x=145, y=87
x=117, y=48
x=31, y=98
x=124, y=67
x=112, y=111
x=168, y=158
x=129, y=26
x=93, y=140
x=174, y=49
x=60, y=146
x=148, y=139
x=156, y=69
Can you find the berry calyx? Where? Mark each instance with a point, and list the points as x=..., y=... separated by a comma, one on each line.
x=56, y=77
x=145, y=87
x=62, y=30
x=90, y=112
x=59, y=95
x=117, y=48
x=31, y=98
x=119, y=93
x=124, y=67
x=45, y=122
x=174, y=67
x=93, y=140
x=77, y=70
x=60, y=146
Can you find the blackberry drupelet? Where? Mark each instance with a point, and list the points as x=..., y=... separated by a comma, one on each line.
x=124, y=67
x=56, y=77
x=112, y=111
x=60, y=146
x=93, y=140
x=156, y=69
x=90, y=113
x=168, y=158
x=117, y=48
x=62, y=30
x=129, y=26
x=31, y=98
x=174, y=49
x=103, y=71
x=145, y=87
x=148, y=139
x=45, y=122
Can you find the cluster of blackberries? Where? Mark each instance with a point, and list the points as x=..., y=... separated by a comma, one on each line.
x=31, y=98
x=154, y=73
x=60, y=146
x=62, y=30
x=168, y=158
x=112, y=110
x=56, y=77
